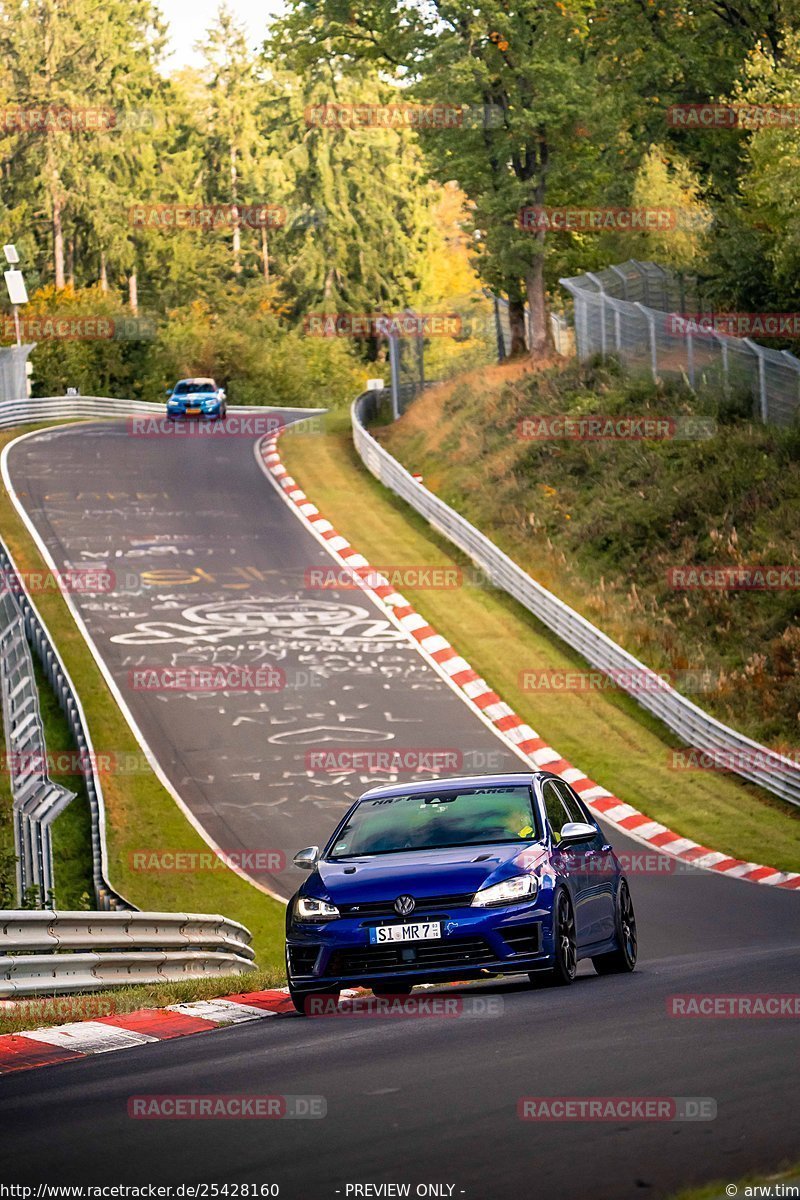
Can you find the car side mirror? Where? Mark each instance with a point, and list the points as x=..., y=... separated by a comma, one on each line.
x=167, y=391
x=306, y=859
x=577, y=831
x=222, y=393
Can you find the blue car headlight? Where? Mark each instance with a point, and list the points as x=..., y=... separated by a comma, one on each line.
x=519, y=887
x=308, y=908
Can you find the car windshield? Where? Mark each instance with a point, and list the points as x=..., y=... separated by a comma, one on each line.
x=436, y=820
x=193, y=385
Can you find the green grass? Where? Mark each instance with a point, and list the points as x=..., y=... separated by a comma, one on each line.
x=746, y=1187
x=600, y=523
x=140, y=812
x=8, y=857
x=606, y=734
x=71, y=832
x=36, y=1012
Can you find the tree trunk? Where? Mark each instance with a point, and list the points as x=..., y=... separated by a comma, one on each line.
x=71, y=262
x=540, y=337
x=103, y=272
x=265, y=252
x=58, y=235
x=237, y=233
x=133, y=292
x=516, y=321
x=52, y=177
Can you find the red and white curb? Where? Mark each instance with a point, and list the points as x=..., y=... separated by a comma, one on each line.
x=121, y=1031
x=476, y=692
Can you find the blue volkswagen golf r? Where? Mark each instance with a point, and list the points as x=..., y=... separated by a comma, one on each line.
x=456, y=879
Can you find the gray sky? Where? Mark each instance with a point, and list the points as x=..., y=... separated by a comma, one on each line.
x=189, y=19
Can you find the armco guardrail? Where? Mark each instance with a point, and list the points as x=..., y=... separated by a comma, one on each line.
x=693, y=726
x=78, y=951
x=37, y=799
x=37, y=635
x=57, y=408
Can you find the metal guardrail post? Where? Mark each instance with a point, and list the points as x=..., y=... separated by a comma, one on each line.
x=602, y=294
x=37, y=800
x=651, y=323
x=762, y=377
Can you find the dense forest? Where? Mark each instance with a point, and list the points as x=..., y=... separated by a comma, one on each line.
x=366, y=159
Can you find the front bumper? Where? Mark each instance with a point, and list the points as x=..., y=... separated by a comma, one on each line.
x=176, y=414
x=475, y=942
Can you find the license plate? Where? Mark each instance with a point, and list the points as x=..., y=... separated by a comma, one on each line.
x=193, y=412
x=418, y=931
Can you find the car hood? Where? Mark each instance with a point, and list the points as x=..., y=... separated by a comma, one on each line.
x=420, y=873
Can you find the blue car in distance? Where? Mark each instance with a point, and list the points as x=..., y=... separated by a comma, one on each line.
x=456, y=879
x=199, y=398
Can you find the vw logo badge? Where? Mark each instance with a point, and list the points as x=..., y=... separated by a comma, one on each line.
x=405, y=905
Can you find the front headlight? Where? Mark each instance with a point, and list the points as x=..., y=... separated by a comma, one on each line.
x=308, y=908
x=520, y=887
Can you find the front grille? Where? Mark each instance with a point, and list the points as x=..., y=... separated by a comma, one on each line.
x=385, y=908
x=303, y=958
x=523, y=939
x=447, y=952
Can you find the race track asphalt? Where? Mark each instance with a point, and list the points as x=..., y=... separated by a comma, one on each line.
x=409, y=1100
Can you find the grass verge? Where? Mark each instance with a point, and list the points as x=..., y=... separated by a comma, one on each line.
x=8, y=857
x=617, y=526
x=36, y=1012
x=750, y=1185
x=140, y=813
x=606, y=734
x=71, y=832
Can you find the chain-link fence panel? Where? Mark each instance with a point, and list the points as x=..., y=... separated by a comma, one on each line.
x=649, y=318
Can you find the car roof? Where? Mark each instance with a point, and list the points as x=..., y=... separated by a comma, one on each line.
x=197, y=382
x=507, y=778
